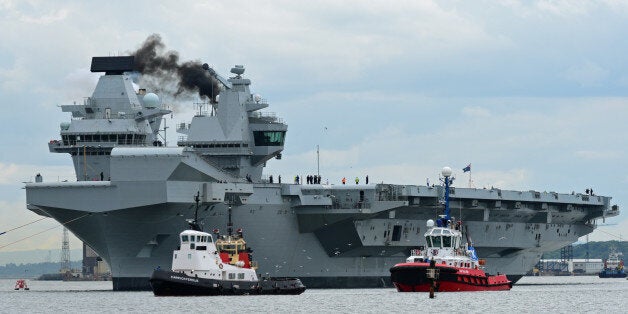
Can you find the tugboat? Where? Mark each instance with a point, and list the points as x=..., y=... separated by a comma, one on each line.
x=613, y=266
x=202, y=266
x=446, y=264
x=21, y=284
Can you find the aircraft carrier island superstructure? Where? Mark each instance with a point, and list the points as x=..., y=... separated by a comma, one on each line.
x=133, y=196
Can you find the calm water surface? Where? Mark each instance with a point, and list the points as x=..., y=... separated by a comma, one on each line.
x=532, y=294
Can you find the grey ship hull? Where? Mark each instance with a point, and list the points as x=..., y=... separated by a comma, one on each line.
x=292, y=234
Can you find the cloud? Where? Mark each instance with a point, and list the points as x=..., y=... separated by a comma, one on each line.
x=476, y=112
x=79, y=82
x=564, y=8
x=598, y=155
x=44, y=19
x=587, y=74
x=16, y=77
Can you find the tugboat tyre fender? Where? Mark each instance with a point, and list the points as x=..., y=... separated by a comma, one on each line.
x=220, y=265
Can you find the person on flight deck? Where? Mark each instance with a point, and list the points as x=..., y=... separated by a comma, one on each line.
x=344, y=180
x=357, y=180
x=367, y=179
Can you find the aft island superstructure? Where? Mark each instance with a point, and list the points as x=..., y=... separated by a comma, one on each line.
x=133, y=195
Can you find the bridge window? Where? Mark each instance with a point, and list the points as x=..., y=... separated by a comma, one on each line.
x=269, y=138
x=240, y=275
x=437, y=241
x=429, y=241
x=184, y=238
x=446, y=241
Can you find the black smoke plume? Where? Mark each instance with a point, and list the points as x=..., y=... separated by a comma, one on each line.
x=165, y=72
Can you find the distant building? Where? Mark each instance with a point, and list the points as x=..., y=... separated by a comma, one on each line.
x=589, y=266
x=576, y=266
x=93, y=265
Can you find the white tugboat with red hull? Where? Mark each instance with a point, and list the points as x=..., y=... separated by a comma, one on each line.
x=202, y=266
x=446, y=264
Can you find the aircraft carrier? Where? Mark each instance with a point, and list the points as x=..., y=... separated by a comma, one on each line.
x=132, y=195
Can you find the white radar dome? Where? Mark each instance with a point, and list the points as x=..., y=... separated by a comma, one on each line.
x=430, y=223
x=446, y=172
x=257, y=97
x=151, y=100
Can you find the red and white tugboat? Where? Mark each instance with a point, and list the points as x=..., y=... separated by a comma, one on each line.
x=447, y=263
x=21, y=284
x=202, y=266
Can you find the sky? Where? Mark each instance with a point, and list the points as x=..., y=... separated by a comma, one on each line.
x=533, y=94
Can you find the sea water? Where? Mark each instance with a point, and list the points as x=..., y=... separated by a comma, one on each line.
x=582, y=294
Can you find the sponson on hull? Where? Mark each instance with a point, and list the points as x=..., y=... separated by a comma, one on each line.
x=447, y=263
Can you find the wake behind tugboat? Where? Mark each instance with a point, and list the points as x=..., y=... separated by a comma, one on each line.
x=202, y=267
x=446, y=265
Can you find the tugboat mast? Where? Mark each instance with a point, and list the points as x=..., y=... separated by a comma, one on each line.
x=447, y=179
x=194, y=222
x=447, y=173
x=229, y=223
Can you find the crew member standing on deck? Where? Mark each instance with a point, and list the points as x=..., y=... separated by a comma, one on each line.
x=357, y=180
x=344, y=180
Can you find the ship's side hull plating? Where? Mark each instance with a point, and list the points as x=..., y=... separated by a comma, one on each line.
x=136, y=240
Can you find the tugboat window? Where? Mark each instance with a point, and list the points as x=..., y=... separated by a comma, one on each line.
x=429, y=241
x=436, y=241
x=446, y=241
x=184, y=238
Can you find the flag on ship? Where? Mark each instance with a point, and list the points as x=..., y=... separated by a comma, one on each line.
x=467, y=168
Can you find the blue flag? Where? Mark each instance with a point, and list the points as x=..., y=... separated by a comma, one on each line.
x=467, y=168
